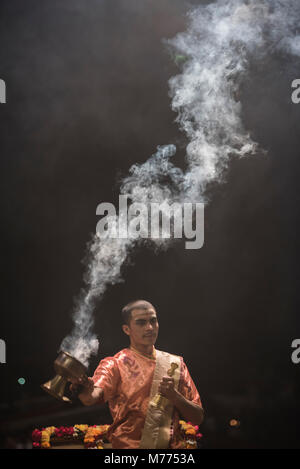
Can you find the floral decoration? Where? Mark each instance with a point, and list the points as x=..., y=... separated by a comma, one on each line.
x=190, y=434
x=92, y=436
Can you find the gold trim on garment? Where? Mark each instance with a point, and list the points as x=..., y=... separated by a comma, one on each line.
x=151, y=357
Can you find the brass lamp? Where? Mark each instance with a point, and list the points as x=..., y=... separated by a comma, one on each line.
x=67, y=369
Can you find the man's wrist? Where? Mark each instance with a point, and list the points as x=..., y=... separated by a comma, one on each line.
x=176, y=397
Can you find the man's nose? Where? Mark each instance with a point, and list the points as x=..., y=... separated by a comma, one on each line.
x=149, y=326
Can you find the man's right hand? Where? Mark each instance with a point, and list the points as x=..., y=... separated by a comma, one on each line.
x=87, y=393
x=83, y=385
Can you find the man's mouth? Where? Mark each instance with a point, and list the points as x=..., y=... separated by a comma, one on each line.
x=149, y=335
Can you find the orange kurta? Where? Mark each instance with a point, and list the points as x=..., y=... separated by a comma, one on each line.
x=126, y=381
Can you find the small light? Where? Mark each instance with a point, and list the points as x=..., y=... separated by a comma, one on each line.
x=21, y=381
x=234, y=423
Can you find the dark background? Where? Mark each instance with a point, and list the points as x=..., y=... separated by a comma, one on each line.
x=87, y=96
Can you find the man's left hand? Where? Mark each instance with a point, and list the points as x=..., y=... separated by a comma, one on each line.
x=167, y=388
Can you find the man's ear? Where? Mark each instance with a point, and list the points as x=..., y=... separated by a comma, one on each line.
x=125, y=328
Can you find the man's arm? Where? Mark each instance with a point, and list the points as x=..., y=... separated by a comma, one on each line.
x=188, y=410
x=102, y=386
x=89, y=395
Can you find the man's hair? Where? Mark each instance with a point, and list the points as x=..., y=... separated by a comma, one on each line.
x=136, y=304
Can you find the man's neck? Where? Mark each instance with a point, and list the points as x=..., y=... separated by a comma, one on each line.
x=146, y=350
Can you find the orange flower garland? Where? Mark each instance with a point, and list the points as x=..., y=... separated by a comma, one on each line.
x=189, y=434
x=93, y=436
x=45, y=436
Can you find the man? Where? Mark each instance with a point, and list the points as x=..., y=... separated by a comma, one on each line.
x=134, y=381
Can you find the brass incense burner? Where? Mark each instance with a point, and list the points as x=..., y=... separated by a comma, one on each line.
x=67, y=369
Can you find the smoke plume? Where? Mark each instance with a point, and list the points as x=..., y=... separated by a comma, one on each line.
x=222, y=40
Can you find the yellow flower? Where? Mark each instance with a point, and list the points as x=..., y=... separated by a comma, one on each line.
x=82, y=428
x=45, y=437
x=190, y=431
x=93, y=436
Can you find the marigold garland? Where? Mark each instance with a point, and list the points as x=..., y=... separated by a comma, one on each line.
x=93, y=436
x=46, y=435
x=189, y=434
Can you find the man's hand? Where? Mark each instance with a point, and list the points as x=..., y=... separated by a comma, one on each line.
x=88, y=393
x=187, y=409
x=167, y=388
x=83, y=385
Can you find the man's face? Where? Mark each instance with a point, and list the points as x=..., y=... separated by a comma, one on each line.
x=143, y=327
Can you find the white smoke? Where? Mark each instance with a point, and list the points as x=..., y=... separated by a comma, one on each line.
x=221, y=40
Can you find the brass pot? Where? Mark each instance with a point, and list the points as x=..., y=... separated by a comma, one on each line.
x=67, y=369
